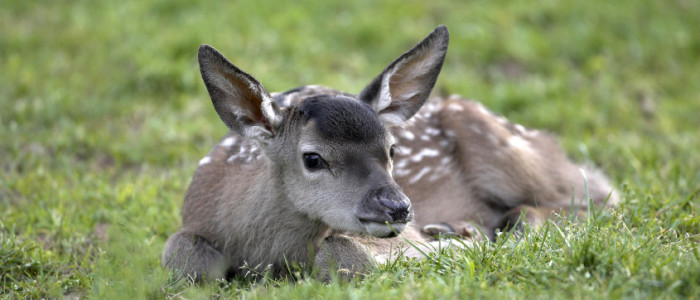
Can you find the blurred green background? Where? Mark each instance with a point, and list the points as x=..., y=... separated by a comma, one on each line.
x=103, y=118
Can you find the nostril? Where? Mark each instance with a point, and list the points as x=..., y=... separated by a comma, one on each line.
x=399, y=215
x=397, y=210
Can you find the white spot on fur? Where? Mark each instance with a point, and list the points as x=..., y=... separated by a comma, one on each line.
x=445, y=160
x=519, y=143
x=444, y=143
x=434, y=177
x=402, y=172
x=501, y=120
x=228, y=142
x=432, y=131
x=407, y=135
x=404, y=150
x=455, y=107
x=425, y=137
x=204, y=160
x=401, y=163
x=421, y=173
x=426, y=152
x=410, y=122
x=431, y=106
x=483, y=109
x=520, y=128
x=532, y=133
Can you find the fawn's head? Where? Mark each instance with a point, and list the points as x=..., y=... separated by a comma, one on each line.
x=330, y=155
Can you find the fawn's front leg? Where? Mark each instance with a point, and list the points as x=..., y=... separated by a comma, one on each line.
x=194, y=256
x=342, y=255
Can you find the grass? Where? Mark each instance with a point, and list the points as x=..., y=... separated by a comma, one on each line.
x=103, y=118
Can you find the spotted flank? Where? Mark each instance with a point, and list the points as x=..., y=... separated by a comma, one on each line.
x=428, y=142
x=423, y=144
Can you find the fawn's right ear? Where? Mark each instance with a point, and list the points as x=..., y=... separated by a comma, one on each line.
x=241, y=101
x=402, y=88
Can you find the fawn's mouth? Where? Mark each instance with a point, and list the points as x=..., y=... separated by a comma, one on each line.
x=383, y=230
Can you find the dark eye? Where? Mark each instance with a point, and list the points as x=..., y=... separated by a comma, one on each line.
x=391, y=151
x=314, y=162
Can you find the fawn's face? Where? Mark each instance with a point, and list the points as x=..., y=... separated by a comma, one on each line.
x=335, y=161
x=331, y=153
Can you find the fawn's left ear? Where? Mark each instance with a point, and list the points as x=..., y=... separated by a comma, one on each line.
x=241, y=101
x=402, y=88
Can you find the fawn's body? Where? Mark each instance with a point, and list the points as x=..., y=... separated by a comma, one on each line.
x=301, y=168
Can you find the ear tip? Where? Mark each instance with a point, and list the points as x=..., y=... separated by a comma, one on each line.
x=203, y=48
x=442, y=32
x=206, y=52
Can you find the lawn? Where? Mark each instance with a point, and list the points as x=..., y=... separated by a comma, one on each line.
x=103, y=118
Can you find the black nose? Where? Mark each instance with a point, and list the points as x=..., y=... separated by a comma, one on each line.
x=397, y=210
x=386, y=204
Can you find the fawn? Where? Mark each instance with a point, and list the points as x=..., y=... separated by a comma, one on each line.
x=313, y=175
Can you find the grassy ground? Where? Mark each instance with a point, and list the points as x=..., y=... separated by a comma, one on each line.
x=103, y=118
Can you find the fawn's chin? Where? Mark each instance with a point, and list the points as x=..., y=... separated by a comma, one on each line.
x=382, y=230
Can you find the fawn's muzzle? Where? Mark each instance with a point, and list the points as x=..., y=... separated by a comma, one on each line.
x=382, y=206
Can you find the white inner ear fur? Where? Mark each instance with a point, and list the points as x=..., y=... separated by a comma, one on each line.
x=268, y=106
x=385, y=94
x=405, y=86
x=271, y=111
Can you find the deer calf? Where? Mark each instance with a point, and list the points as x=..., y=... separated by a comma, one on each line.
x=316, y=170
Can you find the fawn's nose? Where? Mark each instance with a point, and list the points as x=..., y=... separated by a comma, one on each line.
x=398, y=210
x=385, y=206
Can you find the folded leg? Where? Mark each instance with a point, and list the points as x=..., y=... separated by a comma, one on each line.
x=193, y=256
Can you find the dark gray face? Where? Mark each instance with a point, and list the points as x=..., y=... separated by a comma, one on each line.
x=343, y=155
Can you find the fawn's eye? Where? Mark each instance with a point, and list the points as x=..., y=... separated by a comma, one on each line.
x=314, y=162
x=391, y=151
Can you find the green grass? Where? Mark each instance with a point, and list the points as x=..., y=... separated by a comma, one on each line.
x=103, y=118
